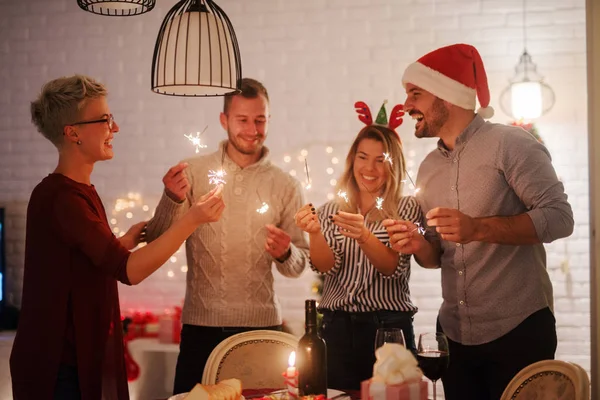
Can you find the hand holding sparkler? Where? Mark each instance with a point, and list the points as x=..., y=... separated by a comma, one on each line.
x=209, y=207
x=277, y=243
x=453, y=225
x=404, y=237
x=351, y=225
x=176, y=182
x=307, y=220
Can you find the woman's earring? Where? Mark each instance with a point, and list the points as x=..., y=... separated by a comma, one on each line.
x=78, y=142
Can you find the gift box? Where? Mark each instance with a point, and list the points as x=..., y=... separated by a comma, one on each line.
x=375, y=390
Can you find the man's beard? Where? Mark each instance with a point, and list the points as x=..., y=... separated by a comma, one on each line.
x=233, y=140
x=439, y=115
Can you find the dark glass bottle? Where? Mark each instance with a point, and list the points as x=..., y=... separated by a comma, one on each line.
x=311, y=356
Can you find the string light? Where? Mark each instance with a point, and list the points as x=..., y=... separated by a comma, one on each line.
x=132, y=206
x=196, y=141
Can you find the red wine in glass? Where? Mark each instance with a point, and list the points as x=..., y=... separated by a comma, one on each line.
x=433, y=356
x=433, y=363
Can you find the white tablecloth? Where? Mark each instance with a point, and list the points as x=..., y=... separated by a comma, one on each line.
x=157, y=369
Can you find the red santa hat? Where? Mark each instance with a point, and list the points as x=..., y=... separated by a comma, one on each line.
x=455, y=74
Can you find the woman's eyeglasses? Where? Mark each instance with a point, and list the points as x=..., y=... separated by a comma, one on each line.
x=109, y=120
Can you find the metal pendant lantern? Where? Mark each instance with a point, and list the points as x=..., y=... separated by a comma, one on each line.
x=117, y=8
x=527, y=96
x=196, y=52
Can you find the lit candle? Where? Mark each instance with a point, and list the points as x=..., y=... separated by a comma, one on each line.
x=291, y=371
x=291, y=376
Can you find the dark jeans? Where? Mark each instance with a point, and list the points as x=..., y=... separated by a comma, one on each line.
x=197, y=342
x=67, y=383
x=482, y=372
x=350, y=339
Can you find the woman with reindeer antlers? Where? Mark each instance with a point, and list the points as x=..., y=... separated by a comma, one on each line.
x=366, y=282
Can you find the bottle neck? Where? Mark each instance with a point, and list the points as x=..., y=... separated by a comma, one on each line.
x=310, y=321
x=310, y=329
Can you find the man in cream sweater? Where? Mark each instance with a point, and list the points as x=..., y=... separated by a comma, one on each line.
x=229, y=280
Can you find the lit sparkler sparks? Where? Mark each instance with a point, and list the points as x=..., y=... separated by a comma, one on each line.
x=343, y=195
x=216, y=177
x=379, y=203
x=196, y=141
x=419, y=228
x=388, y=158
x=263, y=208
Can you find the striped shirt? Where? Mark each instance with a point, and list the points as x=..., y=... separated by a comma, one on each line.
x=354, y=284
x=494, y=170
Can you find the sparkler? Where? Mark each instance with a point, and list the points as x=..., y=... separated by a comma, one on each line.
x=343, y=195
x=419, y=228
x=417, y=190
x=308, y=181
x=263, y=208
x=216, y=177
x=196, y=141
x=388, y=158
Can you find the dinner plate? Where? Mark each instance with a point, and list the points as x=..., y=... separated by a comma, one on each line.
x=181, y=396
x=331, y=393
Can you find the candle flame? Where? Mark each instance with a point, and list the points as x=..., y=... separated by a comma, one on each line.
x=292, y=359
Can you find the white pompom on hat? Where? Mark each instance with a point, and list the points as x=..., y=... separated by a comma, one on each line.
x=455, y=74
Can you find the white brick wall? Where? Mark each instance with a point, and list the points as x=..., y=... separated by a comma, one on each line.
x=316, y=58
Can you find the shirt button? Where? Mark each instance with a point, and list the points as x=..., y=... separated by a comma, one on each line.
x=457, y=244
x=462, y=303
x=237, y=191
x=455, y=160
x=460, y=272
x=239, y=178
x=452, y=187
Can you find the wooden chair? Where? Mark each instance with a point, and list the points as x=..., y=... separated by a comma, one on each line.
x=257, y=358
x=549, y=380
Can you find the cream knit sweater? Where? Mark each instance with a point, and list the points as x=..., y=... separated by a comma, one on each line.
x=229, y=278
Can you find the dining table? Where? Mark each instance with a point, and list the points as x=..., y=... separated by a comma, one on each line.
x=256, y=393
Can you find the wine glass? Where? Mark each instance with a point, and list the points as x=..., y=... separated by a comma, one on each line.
x=433, y=356
x=388, y=335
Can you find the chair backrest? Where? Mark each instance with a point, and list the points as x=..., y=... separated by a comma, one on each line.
x=257, y=358
x=549, y=379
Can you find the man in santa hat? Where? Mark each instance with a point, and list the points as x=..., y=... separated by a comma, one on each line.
x=491, y=199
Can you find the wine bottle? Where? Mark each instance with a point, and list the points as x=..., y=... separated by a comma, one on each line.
x=311, y=356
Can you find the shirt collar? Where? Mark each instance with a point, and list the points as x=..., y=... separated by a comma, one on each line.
x=464, y=137
x=230, y=165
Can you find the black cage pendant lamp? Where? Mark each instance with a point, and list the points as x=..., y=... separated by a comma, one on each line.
x=196, y=52
x=117, y=8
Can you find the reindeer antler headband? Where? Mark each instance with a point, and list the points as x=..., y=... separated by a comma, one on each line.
x=364, y=114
